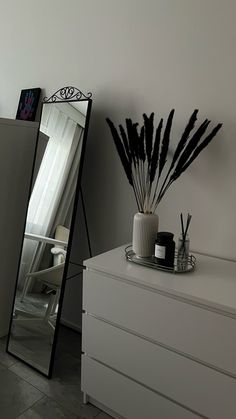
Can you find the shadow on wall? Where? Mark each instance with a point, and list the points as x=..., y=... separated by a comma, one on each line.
x=109, y=201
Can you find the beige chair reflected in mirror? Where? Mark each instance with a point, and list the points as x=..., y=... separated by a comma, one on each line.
x=60, y=243
x=51, y=278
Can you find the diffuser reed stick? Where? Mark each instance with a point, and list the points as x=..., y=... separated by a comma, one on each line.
x=184, y=231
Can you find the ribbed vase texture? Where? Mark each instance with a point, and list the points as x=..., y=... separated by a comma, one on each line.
x=145, y=228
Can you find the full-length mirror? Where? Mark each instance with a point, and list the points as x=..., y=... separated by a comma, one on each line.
x=44, y=262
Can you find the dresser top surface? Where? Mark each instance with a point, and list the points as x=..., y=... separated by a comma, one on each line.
x=212, y=283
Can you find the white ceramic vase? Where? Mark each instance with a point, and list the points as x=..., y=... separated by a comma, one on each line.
x=145, y=228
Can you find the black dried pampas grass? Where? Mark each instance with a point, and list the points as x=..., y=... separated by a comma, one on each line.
x=143, y=153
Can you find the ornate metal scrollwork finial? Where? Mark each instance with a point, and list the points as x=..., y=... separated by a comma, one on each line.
x=67, y=93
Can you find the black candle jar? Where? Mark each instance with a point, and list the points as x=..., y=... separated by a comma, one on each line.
x=165, y=249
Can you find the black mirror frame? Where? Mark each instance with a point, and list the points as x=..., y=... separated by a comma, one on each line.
x=65, y=94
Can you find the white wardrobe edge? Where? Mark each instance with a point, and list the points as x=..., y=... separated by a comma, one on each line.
x=17, y=122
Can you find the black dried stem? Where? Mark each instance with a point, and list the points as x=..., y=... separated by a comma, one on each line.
x=188, y=159
x=165, y=143
x=181, y=145
x=144, y=160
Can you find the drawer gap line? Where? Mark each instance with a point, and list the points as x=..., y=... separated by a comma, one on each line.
x=162, y=345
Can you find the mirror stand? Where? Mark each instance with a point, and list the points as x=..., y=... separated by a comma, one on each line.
x=44, y=264
x=86, y=222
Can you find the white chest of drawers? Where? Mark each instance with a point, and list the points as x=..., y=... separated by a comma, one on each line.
x=158, y=345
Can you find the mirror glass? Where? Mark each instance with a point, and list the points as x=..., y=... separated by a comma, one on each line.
x=44, y=263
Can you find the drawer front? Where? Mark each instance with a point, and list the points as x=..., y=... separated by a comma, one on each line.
x=202, y=334
x=125, y=397
x=187, y=382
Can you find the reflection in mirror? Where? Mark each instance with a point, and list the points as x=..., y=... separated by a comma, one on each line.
x=46, y=245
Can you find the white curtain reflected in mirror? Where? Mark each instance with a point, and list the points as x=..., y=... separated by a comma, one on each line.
x=47, y=231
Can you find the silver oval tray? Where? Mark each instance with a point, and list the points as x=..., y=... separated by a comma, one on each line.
x=180, y=265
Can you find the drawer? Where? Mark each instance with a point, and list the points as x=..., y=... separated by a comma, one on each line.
x=200, y=388
x=192, y=330
x=125, y=397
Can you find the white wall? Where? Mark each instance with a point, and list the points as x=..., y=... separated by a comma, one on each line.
x=135, y=56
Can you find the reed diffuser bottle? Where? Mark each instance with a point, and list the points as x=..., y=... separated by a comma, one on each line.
x=183, y=244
